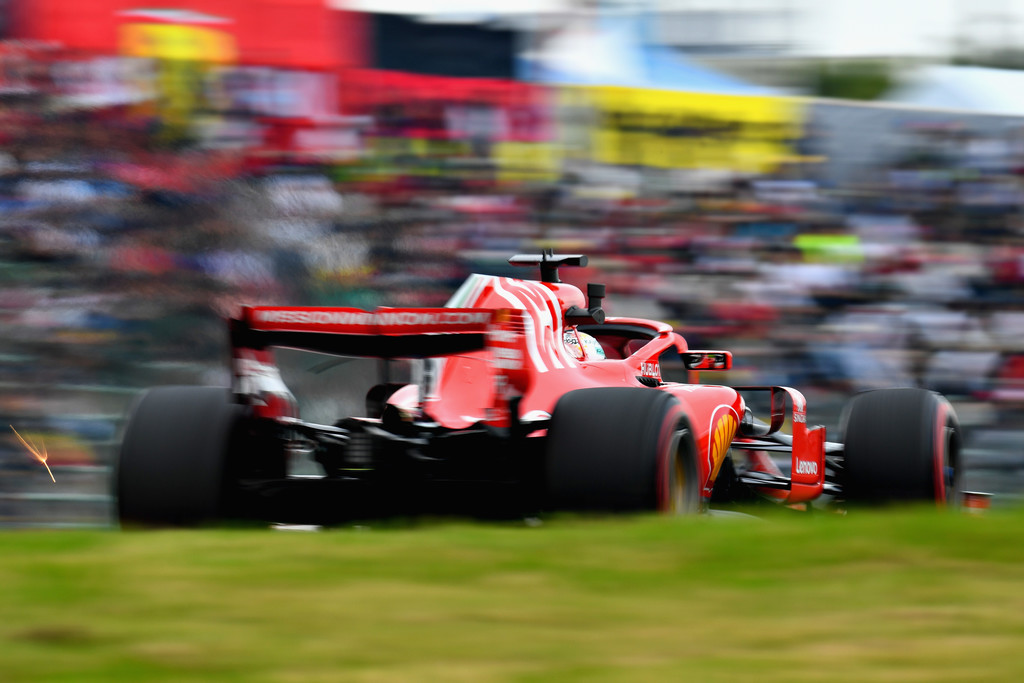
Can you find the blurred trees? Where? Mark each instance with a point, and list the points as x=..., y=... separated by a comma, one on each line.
x=850, y=80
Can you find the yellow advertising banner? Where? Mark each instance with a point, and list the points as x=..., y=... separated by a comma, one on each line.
x=183, y=54
x=669, y=129
x=178, y=41
x=525, y=161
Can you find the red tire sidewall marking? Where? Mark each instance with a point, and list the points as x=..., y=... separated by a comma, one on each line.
x=666, y=459
x=938, y=453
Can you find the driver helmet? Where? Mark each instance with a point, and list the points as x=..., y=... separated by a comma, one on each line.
x=581, y=345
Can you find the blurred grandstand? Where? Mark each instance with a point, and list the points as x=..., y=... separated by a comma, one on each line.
x=146, y=192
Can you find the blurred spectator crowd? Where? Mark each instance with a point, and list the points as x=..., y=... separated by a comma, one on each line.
x=121, y=255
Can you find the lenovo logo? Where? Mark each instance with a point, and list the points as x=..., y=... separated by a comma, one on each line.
x=807, y=467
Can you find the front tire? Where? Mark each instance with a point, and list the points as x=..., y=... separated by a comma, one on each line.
x=621, y=449
x=902, y=445
x=178, y=447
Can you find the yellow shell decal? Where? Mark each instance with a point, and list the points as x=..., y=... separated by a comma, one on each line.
x=721, y=439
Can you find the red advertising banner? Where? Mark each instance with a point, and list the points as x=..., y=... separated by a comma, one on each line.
x=442, y=107
x=295, y=34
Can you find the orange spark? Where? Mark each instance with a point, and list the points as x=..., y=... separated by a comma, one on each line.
x=40, y=455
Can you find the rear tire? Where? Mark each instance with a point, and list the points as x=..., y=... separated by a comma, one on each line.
x=175, y=457
x=902, y=445
x=621, y=449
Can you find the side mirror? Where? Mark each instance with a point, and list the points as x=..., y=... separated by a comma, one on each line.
x=707, y=360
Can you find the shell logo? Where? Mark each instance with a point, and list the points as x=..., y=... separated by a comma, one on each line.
x=720, y=440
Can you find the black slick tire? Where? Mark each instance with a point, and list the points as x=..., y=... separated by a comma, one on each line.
x=175, y=456
x=901, y=445
x=622, y=450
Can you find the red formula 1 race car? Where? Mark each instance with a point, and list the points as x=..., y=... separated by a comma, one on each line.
x=518, y=397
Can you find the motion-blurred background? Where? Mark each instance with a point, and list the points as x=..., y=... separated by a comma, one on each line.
x=833, y=191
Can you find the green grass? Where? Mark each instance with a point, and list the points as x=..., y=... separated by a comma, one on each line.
x=881, y=596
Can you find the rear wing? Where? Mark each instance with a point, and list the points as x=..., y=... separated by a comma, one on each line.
x=381, y=333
